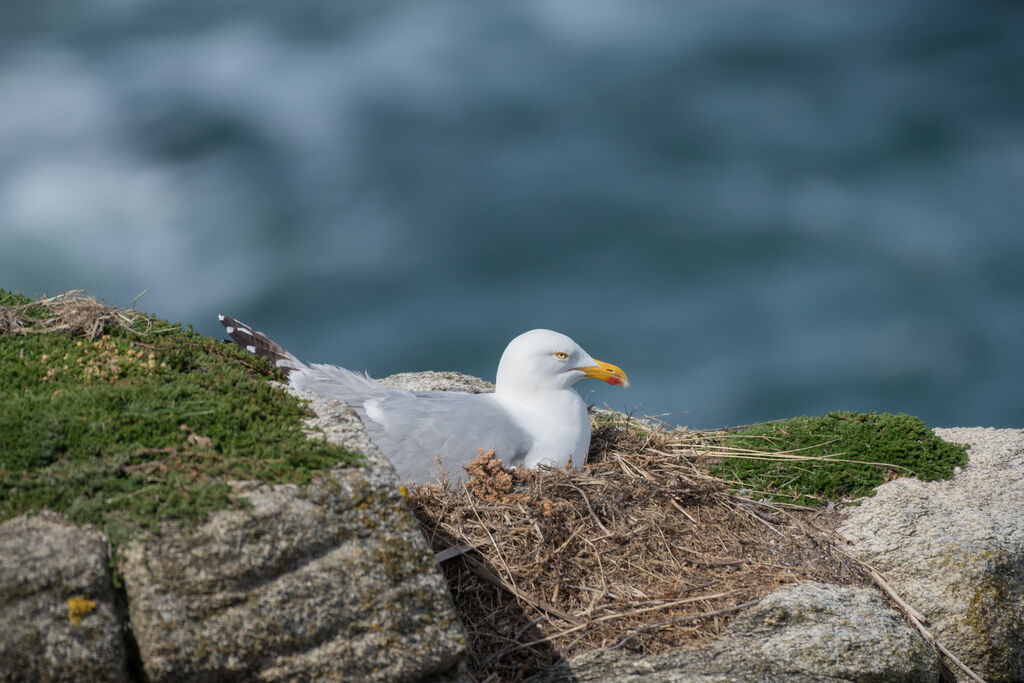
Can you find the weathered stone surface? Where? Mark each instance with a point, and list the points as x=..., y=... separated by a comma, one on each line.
x=810, y=632
x=45, y=561
x=334, y=582
x=955, y=549
x=438, y=381
x=340, y=425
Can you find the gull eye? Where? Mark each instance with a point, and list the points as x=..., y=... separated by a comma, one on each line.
x=561, y=355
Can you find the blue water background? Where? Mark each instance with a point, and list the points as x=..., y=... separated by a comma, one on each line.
x=757, y=209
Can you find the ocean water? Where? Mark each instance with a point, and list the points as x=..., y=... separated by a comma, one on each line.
x=756, y=210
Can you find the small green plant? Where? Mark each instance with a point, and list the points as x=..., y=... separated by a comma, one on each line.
x=123, y=420
x=842, y=455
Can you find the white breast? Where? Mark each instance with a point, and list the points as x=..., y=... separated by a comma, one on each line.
x=558, y=423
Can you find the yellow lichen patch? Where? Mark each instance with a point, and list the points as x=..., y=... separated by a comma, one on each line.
x=107, y=359
x=78, y=607
x=404, y=491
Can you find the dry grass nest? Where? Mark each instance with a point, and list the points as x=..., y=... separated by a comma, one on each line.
x=640, y=549
x=73, y=313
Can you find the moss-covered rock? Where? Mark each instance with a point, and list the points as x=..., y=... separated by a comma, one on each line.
x=143, y=422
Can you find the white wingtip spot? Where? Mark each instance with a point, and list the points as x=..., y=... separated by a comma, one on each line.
x=250, y=348
x=230, y=329
x=373, y=411
x=220, y=317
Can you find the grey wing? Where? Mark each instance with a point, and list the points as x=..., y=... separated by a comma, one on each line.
x=423, y=432
x=427, y=432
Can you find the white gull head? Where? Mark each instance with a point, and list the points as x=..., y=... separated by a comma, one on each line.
x=534, y=385
x=543, y=360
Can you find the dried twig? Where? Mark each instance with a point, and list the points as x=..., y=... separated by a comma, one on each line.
x=481, y=570
x=907, y=609
x=685, y=617
x=452, y=551
x=917, y=619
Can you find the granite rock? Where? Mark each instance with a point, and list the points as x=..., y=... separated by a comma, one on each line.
x=439, y=381
x=955, y=549
x=810, y=632
x=60, y=619
x=333, y=581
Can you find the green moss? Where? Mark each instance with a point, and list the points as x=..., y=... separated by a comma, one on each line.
x=130, y=429
x=880, y=446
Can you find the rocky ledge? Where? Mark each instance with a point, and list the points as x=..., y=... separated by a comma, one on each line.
x=333, y=581
x=953, y=550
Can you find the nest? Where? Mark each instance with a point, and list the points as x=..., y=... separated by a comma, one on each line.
x=640, y=549
x=72, y=313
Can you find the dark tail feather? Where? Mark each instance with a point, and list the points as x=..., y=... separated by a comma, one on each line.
x=258, y=343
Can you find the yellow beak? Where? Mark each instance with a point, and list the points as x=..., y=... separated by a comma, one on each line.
x=606, y=372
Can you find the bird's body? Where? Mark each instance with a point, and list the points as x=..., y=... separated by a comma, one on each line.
x=534, y=415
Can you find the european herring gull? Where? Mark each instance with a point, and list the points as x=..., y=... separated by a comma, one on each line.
x=534, y=415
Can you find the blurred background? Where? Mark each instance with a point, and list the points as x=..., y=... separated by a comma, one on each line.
x=757, y=209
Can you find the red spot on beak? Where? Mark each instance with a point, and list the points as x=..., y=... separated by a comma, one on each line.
x=606, y=372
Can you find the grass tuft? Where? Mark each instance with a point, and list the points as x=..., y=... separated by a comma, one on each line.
x=842, y=455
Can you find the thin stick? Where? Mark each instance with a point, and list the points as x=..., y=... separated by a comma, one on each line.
x=625, y=468
x=762, y=521
x=877, y=578
x=913, y=615
x=783, y=457
x=679, y=507
x=684, y=618
x=497, y=549
x=452, y=551
x=622, y=615
x=481, y=570
x=942, y=648
x=916, y=619
x=592, y=515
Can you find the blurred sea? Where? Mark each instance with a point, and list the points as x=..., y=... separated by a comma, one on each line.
x=757, y=209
